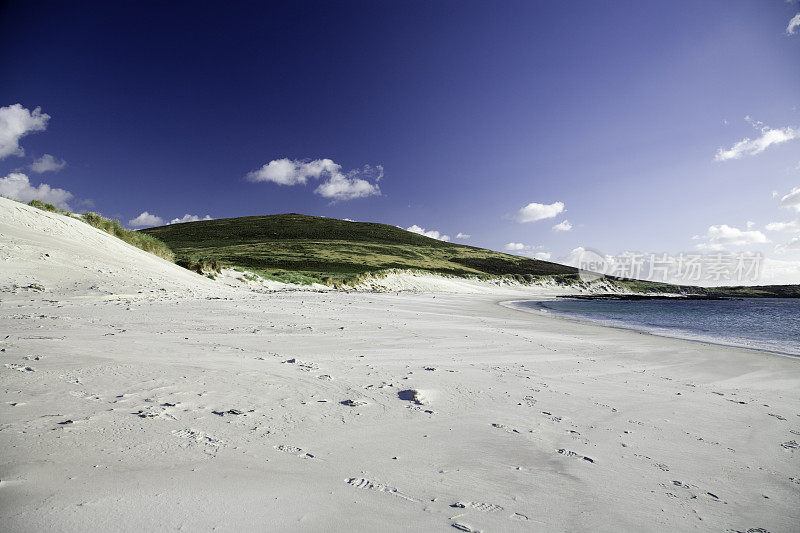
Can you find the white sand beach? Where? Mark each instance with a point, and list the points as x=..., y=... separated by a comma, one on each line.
x=139, y=396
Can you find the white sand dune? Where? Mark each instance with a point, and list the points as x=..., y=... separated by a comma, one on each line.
x=303, y=411
x=67, y=256
x=423, y=282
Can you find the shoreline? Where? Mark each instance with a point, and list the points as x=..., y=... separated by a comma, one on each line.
x=587, y=321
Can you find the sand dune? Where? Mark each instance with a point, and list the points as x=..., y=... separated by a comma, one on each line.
x=301, y=411
x=64, y=255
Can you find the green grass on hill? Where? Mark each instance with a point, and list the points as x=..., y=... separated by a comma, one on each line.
x=331, y=251
x=758, y=291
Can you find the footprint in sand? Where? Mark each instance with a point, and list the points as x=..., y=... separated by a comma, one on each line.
x=212, y=444
x=530, y=401
x=504, y=428
x=551, y=416
x=570, y=453
x=362, y=483
x=156, y=411
x=353, y=403
x=294, y=450
x=413, y=395
x=306, y=367
x=19, y=368
x=478, y=506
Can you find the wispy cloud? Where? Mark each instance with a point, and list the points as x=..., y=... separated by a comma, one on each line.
x=769, y=136
x=16, y=122
x=433, y=234
x=527, y=250
x=145, y=220
x=293, y=172
x=791, y=29
x=463, y=236
x=565, y=225
x=533, y=211
x=792, y=226
x=188, y=218
x=792, y=200
x=723, y=236
x=47, y=163
x=337, y=185
x=17, y=186
x=792, y=246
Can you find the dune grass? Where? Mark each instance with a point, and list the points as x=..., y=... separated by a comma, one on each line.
x=204, y=265
x=148, y=243
x=48, y=207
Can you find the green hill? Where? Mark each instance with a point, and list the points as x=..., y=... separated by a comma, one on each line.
x=305, y=248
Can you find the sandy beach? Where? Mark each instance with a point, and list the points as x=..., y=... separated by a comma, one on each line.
x=331, y=412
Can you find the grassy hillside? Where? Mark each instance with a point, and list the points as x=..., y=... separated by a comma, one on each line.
x=300, y=247
x=303, y=249
x=758, y=291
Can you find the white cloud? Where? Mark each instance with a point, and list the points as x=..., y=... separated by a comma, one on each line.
x=566, y=225
x=533, y=211
x=747, y=146
x=527, y=250
x=723, y=236
x=187, y=218
x=463, y=236
x=433, y=234
x=794, y=225
x=357, y=183
x=293, y=172
x=792, y=200
x=146, y=220
x=750, y=224
x=47, y=163
x=793, y=24
x=349, y=187
x=793, y=244
x=16, y=122
x=17, y=186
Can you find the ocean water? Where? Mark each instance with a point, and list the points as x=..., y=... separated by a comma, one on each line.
x=771, y=324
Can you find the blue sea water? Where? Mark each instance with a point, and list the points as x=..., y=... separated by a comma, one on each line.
x=771, y=324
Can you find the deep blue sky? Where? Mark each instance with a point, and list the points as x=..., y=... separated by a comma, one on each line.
x=474, y=110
